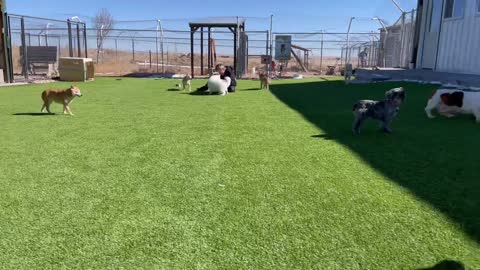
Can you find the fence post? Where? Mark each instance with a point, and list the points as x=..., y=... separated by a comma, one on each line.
x=321, y=54
x=29, y=39
x=8, y=47
x=133, y=49
x=79, y=45
x=156, y=47
x=341, y=57
x=46, y=40
x=70, y=47
x=85, y=39
x=24, y=48
x=116, y=51
x=150, y=58
x=201, y=52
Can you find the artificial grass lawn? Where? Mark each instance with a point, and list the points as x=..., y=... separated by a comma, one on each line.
x=147, y=177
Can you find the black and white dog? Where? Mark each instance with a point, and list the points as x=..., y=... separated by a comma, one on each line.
x=383, y=111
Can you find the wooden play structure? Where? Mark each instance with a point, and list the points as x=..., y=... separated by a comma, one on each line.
x=306, y=57
x=235, y=25
x=212, y=56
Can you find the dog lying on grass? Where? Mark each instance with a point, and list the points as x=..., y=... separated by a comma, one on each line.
x=383, y=111
x=64, y=97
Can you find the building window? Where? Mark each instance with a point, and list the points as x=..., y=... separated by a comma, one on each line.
x=477, y=9
x=454, y=9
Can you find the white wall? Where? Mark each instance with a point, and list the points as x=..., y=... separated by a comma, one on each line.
x=460, y=42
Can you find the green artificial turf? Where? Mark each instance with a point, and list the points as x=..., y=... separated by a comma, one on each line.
x=146, y=177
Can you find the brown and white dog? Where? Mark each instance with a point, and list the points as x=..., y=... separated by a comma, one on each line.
x=451, y=102
x=64, y=97
x=264, y=81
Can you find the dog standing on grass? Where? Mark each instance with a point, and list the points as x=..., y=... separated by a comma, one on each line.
x=187, y=82
x=64, y=97
x=264, y=81
x=383, y=111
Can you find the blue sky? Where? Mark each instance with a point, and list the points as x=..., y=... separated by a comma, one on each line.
x=298, y=16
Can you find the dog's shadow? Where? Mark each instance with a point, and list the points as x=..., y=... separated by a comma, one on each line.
x=252, y=89
x=34, y=114
x=173, y=89
x=323, y=136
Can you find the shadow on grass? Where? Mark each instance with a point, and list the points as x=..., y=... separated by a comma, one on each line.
x=173, y=89
x=446, y=265
x=437, y=160
x=34, y=114
x=251, y=89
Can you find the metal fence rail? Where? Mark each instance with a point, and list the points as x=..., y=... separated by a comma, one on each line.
x=127, y=50
x=33, y=37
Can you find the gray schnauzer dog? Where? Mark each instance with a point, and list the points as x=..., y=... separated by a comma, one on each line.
x=383, y=111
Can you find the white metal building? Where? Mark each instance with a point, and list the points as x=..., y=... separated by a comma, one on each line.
x=449, y=36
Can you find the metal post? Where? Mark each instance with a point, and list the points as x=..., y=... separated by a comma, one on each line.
x=24, y=48
x=79, y=49
x=348, y=42
x=160, y=28
x=39, y=41
x=150, y=58
x=133, y=49
x=59, y=44
x=402, y=40
x=268, y=42
x=321, y=54
x=412, y=36
x=85, y=39
x=70, y=47
x=201, y=51
x=235, y=50
x=191, y=52
x=237, y=47
x=209, y=51
x=29, y=39
x=116, y=51
x=341, y=57
x=8, y=51
x=271, y=44
x=156, y=43
x=46, y=39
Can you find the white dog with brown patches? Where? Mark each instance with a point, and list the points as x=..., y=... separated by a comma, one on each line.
x=451, y=102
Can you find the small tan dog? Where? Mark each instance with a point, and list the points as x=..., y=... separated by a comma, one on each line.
x=64, y=97
x=264, y=81
x=187, y=82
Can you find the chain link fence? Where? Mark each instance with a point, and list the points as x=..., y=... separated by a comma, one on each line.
x=38, y=43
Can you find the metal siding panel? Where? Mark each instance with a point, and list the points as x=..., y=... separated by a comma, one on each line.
x=458, y=42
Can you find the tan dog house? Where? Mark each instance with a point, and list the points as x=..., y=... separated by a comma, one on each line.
x=75, y=69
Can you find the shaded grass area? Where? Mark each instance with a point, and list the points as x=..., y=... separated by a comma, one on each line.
x=144, y=177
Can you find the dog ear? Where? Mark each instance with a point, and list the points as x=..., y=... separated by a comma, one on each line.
x=389, y=94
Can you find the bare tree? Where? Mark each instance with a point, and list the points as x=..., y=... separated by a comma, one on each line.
x=103, y=22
